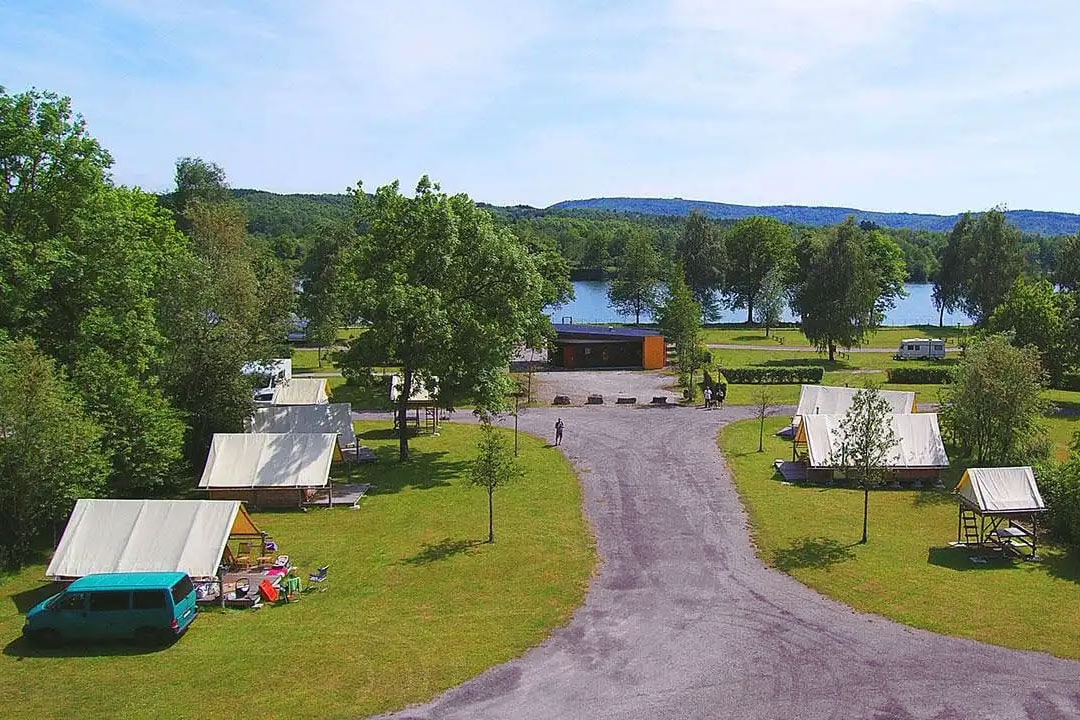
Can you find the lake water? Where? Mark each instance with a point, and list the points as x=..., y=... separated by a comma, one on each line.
x=590, y=305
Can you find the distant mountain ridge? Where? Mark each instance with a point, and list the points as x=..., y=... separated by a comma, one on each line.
x=1029, y=221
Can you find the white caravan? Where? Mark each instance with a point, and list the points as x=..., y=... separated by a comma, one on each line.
x=921, y=349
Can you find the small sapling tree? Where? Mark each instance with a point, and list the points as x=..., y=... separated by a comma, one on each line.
x=867, y=444
x=493, y=467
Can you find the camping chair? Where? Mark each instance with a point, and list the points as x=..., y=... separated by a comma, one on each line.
x=243, y=557
x=266, y=558
x=318, y=578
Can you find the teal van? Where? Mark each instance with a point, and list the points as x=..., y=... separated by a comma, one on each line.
x=149, y=607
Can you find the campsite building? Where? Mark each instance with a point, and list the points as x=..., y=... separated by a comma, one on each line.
x=919, y=453
x=829, y=400
x=595, y=346
x=110, y=536
x=269, y=469
x=999, y=507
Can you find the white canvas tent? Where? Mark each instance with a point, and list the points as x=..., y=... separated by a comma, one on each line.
x=1000, y=491
x=301, y=391
x=919, y=444
x=105, y=536
x=829, y=400
x=269, y=461
x=999, y=508
x=324, y=418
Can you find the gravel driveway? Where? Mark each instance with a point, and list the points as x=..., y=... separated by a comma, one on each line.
x=683, y=621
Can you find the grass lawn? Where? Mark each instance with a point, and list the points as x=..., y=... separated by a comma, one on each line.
x=907, y=571
x=306, y=360
x=416, y=602
x=886, y=337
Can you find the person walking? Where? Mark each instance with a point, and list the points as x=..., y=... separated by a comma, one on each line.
x=558, y=431
x=721, y=394
x=708, y=398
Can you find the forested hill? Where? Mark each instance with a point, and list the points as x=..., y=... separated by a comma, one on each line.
x=1028, y=221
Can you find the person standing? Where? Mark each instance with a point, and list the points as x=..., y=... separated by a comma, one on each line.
x=721, y=394
x=708, y=397
x=558, y=431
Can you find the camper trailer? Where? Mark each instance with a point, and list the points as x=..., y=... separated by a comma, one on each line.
x=920, y=349
x=267, y=376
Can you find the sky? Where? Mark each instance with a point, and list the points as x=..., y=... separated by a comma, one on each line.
x=902, y=105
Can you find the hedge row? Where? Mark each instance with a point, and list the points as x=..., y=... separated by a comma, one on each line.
x=1069, y=381
x=774, y=375
x=920, y=375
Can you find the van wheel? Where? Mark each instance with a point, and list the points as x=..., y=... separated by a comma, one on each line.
x=46, y=638
x=150, y=637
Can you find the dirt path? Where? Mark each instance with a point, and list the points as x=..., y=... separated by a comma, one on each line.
x=683, y=621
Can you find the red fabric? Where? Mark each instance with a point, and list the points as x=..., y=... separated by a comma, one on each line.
x=268, y=591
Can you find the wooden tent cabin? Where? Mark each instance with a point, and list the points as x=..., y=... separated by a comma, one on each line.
x=999, y=508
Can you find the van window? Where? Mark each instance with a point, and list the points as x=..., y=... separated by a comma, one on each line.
x=148, y=599
x=71, y=601
x=104, y=601
x=182, y=589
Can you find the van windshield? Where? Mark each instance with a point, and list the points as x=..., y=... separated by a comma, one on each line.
x=182, y=589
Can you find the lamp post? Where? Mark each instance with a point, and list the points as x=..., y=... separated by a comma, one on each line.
x=517, y=398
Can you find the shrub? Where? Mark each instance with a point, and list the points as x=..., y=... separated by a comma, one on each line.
x=920, y=375
x=774, y=375
x=1060, y=488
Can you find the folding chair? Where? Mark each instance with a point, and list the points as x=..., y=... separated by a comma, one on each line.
x=318, y=578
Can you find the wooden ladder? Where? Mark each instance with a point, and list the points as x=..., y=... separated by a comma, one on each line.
x=970, y=525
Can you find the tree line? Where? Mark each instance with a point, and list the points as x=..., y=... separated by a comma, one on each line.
x=125, y=319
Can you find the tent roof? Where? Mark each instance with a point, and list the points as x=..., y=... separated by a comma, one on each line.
x=107, y=536
x=301, y=391
x=1001, y=490
x=919, y=440
x=829, y=400
x=269, y=460
x=324, y=418
x=420, y=393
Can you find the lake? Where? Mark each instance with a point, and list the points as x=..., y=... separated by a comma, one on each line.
x=590, y=305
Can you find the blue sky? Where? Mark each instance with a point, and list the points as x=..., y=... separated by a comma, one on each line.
x=915, y=105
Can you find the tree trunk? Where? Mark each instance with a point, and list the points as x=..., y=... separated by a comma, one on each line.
x=637, y=315
x=865, y=511
x=832, y=351
x=941, y=316
x=403, y=413
x=761, y=435
x=750, y=312
x=766, y=330
x=491, y=515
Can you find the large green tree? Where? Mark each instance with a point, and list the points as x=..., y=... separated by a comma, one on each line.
x=837, y=288
x=993, y=410
x=445, y=293
x=633, y=289
x=680, y=319
x=49, y=448
x=949, y=278
x=703, y=255
x=992, y=260
x=1035, y=314
x=756, y=247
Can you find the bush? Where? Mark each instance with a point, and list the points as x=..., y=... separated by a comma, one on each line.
x=1060, y=488
x=920, y=375
x=774, y=375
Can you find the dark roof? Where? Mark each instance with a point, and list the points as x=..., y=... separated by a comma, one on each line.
x=603, y=331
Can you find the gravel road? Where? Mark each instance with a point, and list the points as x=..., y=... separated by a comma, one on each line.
x=683, y=621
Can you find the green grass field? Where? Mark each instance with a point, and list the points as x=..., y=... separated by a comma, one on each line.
x=907, y=571
x=886, y=337
x=416, y=602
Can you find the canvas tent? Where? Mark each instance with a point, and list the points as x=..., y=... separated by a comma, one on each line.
x=301, y=391
x=828, y=400
x=269, y=468
x=324, y=418
x=105, y=536
x=995, y=504
x=918, y=453
x=420, y=399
